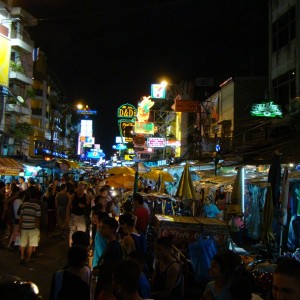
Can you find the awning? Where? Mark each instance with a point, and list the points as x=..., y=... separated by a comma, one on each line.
x=10, y=167
x=69, y=163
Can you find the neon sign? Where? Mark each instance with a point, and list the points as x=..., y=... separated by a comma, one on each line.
x=266, y=110
x=126, y=111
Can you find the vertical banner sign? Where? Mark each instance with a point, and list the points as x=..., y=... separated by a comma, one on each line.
x=4, y=60
x=126, y=128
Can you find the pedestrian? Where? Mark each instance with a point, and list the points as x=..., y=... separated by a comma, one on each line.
x=286, y=280
x=99, y=242
x=125, y=278
x=113, y=251
x=144, y=287
x=222, y=269
x=132, y=241
x=236, y=225
x=22, y=184
x=78, y=207
x=167, y=279
x=141, y=213
x=67, y=284
x=29, y=224
x=62, y=199
x=49, y=199
x=105, y=276
x=210, y=210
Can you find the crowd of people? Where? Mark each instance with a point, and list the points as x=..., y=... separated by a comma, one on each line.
x=109, y=255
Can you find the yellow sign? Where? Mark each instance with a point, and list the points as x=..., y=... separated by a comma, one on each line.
x=126, y=111
x=4, y=60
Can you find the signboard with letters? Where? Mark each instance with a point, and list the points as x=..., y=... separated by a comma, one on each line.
x=185, y=106
x=155, y=142
x=126, y=128
x=127, y=111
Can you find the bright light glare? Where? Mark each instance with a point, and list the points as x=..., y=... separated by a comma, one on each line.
x=163, y=83
x=79, y=106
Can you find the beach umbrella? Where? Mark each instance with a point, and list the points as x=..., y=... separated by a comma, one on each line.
x=237, y=194
x=186, y=189
x=136, y=182
x=157, y=174
x=121, y=180
x=267, y=219
x=274, y=177
x=121, y=170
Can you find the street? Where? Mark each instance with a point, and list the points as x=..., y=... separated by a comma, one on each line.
x=52, y=255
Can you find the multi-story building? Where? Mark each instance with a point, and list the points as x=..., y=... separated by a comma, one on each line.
x=16, y=112
x=284, y=71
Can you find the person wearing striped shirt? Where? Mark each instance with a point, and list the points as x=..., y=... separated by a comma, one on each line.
x=29, y=224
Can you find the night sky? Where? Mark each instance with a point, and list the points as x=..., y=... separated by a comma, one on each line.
x=107, y=53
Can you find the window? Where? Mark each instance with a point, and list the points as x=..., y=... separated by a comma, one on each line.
x=284, y=87
x=284, y=29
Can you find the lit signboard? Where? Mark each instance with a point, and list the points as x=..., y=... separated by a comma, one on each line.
x=154, y=142
x=4, y=60
x=126, y=130
x=144, y=127
x=86, y=112
x=173, y=143
x=158, y=91
x=144, y=109
x=126, y=111
x=266, y=109
x=86, y=128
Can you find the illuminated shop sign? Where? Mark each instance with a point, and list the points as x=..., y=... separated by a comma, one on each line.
x=4, y=60
x=126, y=128
x=86, y=112
x=144, y=127
x=126, y=111
x=156, y=142
x=266, y=109
x=158, y=91
x=86, y=128
x=144, y=109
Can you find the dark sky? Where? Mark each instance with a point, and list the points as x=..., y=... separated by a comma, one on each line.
x=109, y=52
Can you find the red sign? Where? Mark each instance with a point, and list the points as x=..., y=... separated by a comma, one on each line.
x=185, y=106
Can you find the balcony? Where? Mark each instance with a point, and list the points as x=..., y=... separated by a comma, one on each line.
x=21, y=41
x=20, y=77
x=17, y=109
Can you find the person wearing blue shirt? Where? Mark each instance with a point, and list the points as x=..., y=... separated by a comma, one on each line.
x=210, y=210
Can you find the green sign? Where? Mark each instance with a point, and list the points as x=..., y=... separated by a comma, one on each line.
x=127, y=111
x=266, y=110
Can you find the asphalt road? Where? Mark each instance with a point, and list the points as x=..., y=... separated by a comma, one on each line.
x=51, y=257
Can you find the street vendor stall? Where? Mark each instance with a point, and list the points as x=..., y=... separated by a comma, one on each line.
x=188, y=229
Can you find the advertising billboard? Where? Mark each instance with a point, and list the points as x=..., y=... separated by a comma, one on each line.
x=158, y=91
x=4, y=60
x=144, y=127
x=86, y=128
x=155, y=142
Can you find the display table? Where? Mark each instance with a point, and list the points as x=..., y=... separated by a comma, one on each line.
x=188, y=229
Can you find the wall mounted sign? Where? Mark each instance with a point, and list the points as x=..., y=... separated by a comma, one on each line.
x=127, y=111
x=158, y=91
x=155, y=142
x=266, y=109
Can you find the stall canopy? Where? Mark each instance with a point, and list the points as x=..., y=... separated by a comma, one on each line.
x=10, y=167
